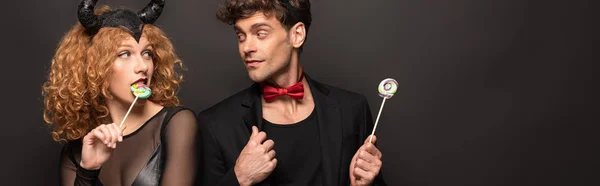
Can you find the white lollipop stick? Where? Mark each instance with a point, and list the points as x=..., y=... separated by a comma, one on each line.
x=126, y=114
x=377, y=120
x=143, y=92
x=387, y=88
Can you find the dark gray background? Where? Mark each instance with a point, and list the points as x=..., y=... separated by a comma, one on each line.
x=491, y=92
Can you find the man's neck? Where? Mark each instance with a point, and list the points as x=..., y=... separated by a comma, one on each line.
x=287, y=110
x=289, y=76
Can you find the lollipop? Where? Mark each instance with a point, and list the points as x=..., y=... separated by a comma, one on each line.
x=139, y=91
x=142, y=91
x=387, y=88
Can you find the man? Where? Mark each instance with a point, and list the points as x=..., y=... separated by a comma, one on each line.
x=306, y=133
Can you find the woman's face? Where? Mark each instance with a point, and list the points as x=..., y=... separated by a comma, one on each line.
x=133, y=65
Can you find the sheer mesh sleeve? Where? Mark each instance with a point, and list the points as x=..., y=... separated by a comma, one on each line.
x=70, y=172
x=181, y=134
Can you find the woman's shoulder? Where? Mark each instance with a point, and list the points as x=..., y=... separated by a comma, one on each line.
x=179, y=121
x=179, y=114
x=179, y=111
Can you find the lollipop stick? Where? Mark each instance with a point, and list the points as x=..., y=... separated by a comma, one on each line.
x=377, y=120
x=126, y=114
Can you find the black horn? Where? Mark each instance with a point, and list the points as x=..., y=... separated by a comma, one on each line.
x=86, y=16
x=152, y=11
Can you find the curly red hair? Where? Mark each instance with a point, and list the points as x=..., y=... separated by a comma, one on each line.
x=77, y=85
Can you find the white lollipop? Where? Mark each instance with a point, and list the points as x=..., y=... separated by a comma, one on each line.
x=387, y=88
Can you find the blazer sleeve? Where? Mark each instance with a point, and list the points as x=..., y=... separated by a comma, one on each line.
x=213, y=168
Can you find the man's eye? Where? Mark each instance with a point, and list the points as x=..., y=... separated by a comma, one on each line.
x=241, y=37
x=261, y=34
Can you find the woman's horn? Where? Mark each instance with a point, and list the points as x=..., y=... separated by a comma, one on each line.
x=86, y=16
x=152, y=11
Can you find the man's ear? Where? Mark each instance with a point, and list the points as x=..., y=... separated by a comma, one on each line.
x=298, y=34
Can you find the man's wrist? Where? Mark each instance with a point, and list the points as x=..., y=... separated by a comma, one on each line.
x=242, y=180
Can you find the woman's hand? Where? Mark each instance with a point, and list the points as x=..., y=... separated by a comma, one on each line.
x=99, y=144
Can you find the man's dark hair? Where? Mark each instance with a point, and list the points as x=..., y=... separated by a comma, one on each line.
x=288, y=12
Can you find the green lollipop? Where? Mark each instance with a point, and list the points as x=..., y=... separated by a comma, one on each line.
x=143, y=92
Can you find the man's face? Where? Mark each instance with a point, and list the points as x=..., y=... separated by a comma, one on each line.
x=264, y=46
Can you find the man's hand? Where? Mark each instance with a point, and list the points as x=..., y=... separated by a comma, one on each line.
x=257, y=159
x=365, y=164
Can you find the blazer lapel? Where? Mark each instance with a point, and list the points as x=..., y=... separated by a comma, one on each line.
x=253, y=116
x=253, y=105
x=330, y=131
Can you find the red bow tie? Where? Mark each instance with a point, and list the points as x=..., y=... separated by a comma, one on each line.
x=295, y=91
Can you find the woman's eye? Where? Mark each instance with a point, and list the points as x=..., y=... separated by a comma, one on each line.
x=147, y=53
x=124, y=54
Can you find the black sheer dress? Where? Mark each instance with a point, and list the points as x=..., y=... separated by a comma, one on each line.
x=161, y=152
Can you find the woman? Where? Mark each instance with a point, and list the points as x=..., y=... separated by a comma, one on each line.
x=88, y=94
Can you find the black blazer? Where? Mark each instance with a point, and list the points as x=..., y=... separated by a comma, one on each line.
x=344, y=121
